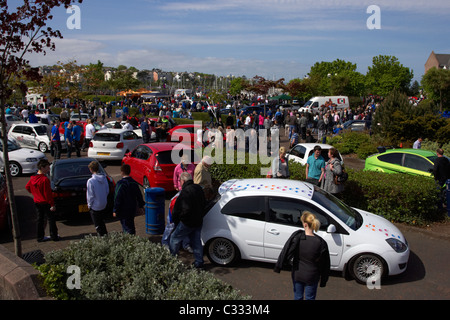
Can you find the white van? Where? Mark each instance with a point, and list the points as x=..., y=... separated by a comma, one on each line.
x=183, y=92
x=339, y=102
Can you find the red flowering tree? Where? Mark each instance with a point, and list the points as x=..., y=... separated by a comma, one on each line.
x=23, y=30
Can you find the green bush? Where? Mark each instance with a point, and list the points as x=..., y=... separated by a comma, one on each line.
x=354, y=142
x=126, y=267
x=397, y=197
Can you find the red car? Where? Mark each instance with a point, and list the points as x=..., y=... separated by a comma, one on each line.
x=4, y=204
x=184, y=132
x=152, y=165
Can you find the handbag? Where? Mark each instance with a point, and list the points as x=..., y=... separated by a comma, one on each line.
x=341, y=178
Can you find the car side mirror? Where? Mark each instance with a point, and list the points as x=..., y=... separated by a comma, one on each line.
x=331, y=228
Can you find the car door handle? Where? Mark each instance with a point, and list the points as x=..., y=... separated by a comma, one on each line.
x=273, y=231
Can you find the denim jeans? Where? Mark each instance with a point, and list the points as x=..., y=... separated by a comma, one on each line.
x=179, y=234
x=303, y=291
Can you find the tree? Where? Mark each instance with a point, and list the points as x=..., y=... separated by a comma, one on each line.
x=124, y=79
x=387, y=74
x=23, y=30
x=237, y=85
x=436, y=83
x=394, y=109
x=262, y=86
x=338, y=77
x=93, y=76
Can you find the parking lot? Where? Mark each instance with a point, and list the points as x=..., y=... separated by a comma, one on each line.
x=425, y=278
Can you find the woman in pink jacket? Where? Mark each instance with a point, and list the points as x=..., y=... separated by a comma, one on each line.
x=180, y=168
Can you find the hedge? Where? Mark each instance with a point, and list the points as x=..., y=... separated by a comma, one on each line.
x=120, y=266
x=397, y=197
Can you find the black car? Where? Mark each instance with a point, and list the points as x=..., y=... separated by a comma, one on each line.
x=68, y=179
x=356, y=125
x=250, y=109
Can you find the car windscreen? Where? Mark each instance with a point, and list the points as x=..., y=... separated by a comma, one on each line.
x=12, y=146
x=346, y=214
x=106, y=136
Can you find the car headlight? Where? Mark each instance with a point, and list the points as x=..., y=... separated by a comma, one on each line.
x=397, y=245
x=31, y=159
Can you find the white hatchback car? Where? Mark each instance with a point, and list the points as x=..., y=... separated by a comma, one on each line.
x=301, y=151
x=113, y=144
x=253, y=218
x=21, y=160
x=31, y=135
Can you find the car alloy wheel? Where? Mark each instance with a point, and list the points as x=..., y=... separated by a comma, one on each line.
x=222, y=251
x=367, y=268
x=15, y=169
x=43, y=147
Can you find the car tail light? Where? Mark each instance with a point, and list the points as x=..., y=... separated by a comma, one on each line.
x=62, y=194
x=119, y=145
x=157, y=167
x=91, y=144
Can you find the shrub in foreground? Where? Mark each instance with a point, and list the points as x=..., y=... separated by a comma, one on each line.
x=125, y=267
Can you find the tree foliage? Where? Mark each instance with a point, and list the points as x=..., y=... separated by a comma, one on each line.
x=398, y=120
x=436, y=83
x=387, y=74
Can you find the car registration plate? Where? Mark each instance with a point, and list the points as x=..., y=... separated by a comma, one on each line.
x=103, y=153
x=83, y=208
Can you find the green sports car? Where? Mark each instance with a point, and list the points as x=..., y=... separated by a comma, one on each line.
x=410, y=161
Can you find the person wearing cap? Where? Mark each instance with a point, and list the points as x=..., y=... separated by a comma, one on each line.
x=39, y=187
x=315, y=167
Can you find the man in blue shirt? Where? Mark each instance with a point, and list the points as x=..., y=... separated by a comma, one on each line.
x=56, y=140
x=315, y=167
x=68, y=138
x=76, y=134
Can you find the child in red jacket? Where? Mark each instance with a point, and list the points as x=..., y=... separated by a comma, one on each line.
x=39, y=187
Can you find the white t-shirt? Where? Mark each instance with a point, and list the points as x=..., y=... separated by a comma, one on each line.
x=90, y=131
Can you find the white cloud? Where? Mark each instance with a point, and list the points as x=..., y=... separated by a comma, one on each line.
x=85, y=52
x=287, y=6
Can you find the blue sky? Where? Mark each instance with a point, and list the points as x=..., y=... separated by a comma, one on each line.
x=270, y=38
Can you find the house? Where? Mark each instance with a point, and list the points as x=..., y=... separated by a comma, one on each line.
x=440, y=61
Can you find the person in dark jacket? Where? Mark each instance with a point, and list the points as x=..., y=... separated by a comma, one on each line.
x=309, y=256
x=127, y=199
x=187, y=216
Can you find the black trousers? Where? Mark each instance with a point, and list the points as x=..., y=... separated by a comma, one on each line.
x=99, y=221
x=44, y=214
x=56, y=146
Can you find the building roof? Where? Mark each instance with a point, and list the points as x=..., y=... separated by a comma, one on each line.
x=443, y=59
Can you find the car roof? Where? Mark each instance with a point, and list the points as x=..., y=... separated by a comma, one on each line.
x=28, y=124
x=312, y=145
x=266, y=186
x=113, y=130
x=74, y=160
x=161, y=146
x=420, y=152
